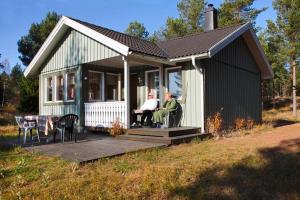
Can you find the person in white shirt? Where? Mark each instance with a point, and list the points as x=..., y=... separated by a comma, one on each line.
x=147, y=108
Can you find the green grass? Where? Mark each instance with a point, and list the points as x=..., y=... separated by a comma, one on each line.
x=234, y=168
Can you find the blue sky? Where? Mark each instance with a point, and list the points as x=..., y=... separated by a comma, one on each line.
x=16, y=16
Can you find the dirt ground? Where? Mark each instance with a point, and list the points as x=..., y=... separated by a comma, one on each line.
x=285, y=138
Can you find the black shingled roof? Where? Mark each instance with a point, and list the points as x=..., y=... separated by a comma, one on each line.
x=134, y=43
x=196, y=43
x=178, y=47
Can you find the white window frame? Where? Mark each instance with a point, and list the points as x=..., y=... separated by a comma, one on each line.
x=46, y=89
x=55, y=86
x=102, y=85
x=146, y=81
x=119, y=84
x=66, y=86
x=166, y=77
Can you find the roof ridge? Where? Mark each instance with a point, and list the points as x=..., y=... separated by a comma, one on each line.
x=199, y=33
x=112, y=30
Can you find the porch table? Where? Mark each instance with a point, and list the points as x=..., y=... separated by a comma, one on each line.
x=45, y=123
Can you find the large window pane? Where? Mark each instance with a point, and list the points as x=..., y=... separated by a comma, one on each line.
x=59, y=88
x=95, y=86
x=112, y=87
x=71, y=86
x=174, y=79
x=153, y=83
x=49, y=89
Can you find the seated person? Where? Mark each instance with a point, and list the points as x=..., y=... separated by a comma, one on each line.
x=169, y=105
x=146, y=109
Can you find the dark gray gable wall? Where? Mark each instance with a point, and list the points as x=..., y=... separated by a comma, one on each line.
x=233, y=84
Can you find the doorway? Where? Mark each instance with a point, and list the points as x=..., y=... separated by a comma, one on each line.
x=133, y=91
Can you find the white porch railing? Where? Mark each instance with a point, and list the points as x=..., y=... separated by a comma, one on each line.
x=102, y=114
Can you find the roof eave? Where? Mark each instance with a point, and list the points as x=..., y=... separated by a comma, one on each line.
x=54, y=36
x=188, y=58
x=227, y=40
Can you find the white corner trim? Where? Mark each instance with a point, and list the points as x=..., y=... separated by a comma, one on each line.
x=262, y=53
x=65, y=21
x=228, y=39
x=193, y=59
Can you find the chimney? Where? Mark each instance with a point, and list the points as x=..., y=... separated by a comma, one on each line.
x=211, y=18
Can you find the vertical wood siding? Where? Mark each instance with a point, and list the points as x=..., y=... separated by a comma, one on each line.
x=75, y=49
x=59, y=109
x=232, y=84
x=191, y=86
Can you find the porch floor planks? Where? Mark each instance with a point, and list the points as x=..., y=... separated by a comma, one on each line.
x=92, y=149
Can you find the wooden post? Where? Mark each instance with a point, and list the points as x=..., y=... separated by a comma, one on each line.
x=119, y=88
x=127, y=92
x=161, y=88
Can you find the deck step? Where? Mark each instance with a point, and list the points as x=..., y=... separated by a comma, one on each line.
x=165, y=140
x=168, y=132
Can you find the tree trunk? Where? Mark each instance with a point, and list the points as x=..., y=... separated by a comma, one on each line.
x=294, y=89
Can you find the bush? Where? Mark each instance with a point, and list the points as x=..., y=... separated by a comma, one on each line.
x=117, y=128
x=214, y=124
x=239, y=123
x=250, y=123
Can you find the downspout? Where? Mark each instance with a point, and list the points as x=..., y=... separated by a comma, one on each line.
x=201, y=91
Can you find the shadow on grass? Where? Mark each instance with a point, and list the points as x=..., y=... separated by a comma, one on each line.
x=8, y=141
x=274, y=174
x=282, y=122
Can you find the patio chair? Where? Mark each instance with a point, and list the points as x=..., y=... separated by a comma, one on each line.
x=174, y=116
x=26, y=125
x=66, y=123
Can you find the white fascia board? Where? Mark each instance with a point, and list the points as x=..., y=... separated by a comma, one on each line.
x=65, y=22
x=188, y=58
x=49, y=39
x=228, y=39
x=262, y=53
x=117, y=46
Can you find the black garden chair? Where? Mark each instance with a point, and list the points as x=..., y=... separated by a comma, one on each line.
x=66, y=124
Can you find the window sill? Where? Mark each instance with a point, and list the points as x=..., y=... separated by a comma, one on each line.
x=58, y=103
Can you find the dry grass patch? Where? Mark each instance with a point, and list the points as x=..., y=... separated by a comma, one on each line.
x=255, y=166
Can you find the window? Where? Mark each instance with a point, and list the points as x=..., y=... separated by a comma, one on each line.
x=59, y=88
x=70, y=86
x=152, y=78
x=174, y=82
x=49, y=90
x=112, y=87
x=95, y=82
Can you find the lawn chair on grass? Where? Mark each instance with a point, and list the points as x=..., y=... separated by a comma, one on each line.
x=26, y=125
x=66, y=123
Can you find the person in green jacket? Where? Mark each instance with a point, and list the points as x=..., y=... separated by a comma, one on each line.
x=169, y=105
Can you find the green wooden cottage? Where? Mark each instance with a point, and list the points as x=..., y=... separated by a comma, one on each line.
x=101, y=74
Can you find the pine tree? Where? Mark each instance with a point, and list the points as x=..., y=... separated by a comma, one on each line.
x=288, y=21
x=28, y=46
x=238, y=11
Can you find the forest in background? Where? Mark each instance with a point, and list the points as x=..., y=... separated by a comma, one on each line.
x=280, y=40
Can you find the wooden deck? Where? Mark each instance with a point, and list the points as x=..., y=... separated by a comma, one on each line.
x=167, y=136
x=92, y=148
